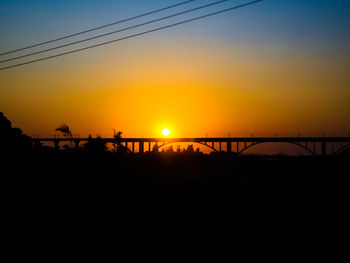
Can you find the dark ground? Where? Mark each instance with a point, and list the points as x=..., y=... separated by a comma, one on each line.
x=80, y=179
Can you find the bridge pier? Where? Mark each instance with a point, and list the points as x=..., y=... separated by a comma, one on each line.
x=228, y=147
x=156, y=147
x=57, y=145
x=141, y=149
x=314, y=147
x=324, y=148
x=76, y=144
x=220, y=146
x=133, y=147
x=37, y=144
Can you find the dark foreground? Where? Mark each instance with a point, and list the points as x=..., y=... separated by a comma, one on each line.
x=83, y=180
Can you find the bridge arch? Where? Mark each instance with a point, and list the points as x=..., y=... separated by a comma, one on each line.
x=167, y=143
x=293, y=143
x=341, y=149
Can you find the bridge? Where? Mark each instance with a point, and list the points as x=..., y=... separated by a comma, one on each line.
x=313, y=145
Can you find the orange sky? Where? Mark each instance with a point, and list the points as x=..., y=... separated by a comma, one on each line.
x=193, y=86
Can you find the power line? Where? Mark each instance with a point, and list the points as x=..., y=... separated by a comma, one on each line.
x=114, y=32
x=135, y=35
x=96, y=28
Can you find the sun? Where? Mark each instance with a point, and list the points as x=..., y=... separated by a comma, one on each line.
x=166, y=132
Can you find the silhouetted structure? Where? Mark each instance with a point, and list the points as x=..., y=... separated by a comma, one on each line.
x=95, y=145
x=91, y=176
x=237, y=145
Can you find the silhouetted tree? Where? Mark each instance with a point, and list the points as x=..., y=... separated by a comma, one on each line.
x=155, y=148
x=64, y=129
x=66, y=132
x=117, y=144
x=12, y=139
x=190, y=148
x=95, y=145
x=170, y=149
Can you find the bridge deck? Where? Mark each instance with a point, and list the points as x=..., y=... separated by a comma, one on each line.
x=211, y=139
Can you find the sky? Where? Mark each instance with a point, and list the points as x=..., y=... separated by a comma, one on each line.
x=274, y=67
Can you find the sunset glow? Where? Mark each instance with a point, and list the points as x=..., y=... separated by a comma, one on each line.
x=209, y=77
x=166, y=132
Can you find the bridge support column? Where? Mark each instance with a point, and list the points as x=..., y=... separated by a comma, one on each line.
x=133, y=147
x=141, y=149
x=76, y=143
x=228, y=147
x=324, y=148
x=57, y=145
x=37, y=144
x=314, y=147
x=149, y=146
x=220, y=146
